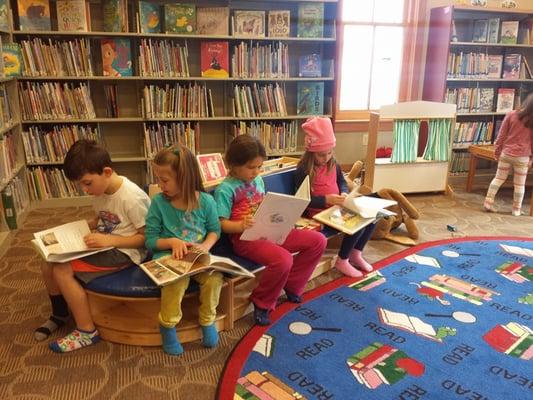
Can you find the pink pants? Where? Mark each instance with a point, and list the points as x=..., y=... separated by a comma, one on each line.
x=282, y=270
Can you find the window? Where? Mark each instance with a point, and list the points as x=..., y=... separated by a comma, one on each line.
x=373, y=35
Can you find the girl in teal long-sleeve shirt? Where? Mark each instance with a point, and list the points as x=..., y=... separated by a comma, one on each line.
x=181, y=216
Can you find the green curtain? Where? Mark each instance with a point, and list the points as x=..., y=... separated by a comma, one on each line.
x=405, y=141
x=438, y=144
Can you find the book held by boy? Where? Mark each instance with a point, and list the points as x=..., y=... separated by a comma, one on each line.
x=64, y=242
x=167, y=269
x=277, y=214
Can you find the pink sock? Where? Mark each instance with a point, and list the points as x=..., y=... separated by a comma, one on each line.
x=356, y=258
x=346, y=268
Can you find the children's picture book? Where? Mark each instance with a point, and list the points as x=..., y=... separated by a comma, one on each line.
x=511, y=66
x=116, y=57
x=72, y=15
x=493, y=34
x=34, y=15
x=4, y=19
x=212, y=20
x=308, y=224
x=355, y=213
x=486, y=99
x=149, y=17
x=277, y=214
x=310, y=19
x=249, y=23
x=167, y=269
x=12, y=57
x=505, y=100
x=64, y=242
x=481, y=27
x=509, y=32
x=212, y=168
x=310, y=65
x=115, y=13
x=494, y=67
x=310, y=98
x=180, y=18
x=214, y=59
x=279, y=23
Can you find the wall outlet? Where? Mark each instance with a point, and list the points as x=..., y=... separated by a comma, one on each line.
x=365, y=139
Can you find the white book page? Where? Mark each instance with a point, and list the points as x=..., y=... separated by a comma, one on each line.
x=304, y=191
x=422, y=327
x=65, y=238
x=397, y=319
x=366, y=206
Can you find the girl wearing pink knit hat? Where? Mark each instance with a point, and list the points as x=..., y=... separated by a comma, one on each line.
x=328, y=188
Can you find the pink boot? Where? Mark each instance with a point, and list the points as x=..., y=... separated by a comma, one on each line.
x=356, y=258
x=346, y=268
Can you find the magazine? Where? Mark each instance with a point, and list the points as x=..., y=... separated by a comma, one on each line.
x=64, y=242
x=277, y=214
x=356, y=212
x=167, y=269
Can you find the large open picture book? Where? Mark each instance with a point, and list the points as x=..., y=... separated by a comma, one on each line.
x=167, y=269
x=356, y=212
x=277, y=214
x=65, y=242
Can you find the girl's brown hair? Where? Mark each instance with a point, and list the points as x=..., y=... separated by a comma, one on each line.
x=307, y=164
x=525, y=115
x=242, y=149
x=184, y=164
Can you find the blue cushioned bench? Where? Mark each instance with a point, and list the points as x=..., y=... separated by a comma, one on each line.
x=125, y=304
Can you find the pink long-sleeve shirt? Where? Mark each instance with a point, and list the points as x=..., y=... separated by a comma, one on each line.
x=514, y=139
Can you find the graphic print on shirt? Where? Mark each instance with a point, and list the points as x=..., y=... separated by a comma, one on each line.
x=189, y=230
x=107, y=222
x=247, y=199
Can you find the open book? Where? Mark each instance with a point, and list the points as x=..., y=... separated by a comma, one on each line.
x=64, y=242
x=167, y=269
x=355, y=213
x=408, y=323
x=277, y=214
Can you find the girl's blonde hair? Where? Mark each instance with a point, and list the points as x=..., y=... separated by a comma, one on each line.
x=188, y=178
x=307, y=164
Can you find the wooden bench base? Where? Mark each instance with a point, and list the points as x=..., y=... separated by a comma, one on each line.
x=133, y=320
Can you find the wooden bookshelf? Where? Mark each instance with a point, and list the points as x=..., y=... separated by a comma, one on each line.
x=124, y=135
x=444, y=41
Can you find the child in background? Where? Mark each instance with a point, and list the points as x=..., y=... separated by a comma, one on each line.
x=120, y=207
x=237, y=198
x=181, y=216
x=513, y=148
x=328, y=188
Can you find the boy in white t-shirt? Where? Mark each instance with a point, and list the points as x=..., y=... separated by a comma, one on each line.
x=121, y=208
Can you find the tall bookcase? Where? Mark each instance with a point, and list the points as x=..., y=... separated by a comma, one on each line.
x=124, y=136
x=454, y=39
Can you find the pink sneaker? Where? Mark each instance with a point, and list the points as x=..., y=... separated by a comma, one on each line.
x=346, y=268
x=357, y=260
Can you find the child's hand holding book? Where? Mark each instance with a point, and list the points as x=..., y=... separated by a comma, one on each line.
x=247, y=222
x=97, y=240
x=335, y=199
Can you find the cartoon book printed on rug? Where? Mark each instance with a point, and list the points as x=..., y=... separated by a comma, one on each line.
x=380, y=363
x=370, y=281
x=116, y=57
x=423, y=260
x=149, y=17
x=356, y=212
x=34, y=15
x=431, y=293
x=167, y=269
x=516, y=271
x=264, y=386
x=277, y=214
x=12, y=58
x=64, y=242
x=460, y=289
x=214, y=59
x=265, y=345
x=414, y=325
x=520, y=251
x=513, y=339
x=180, y=18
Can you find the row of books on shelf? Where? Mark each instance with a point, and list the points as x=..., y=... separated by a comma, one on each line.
x=277, y=137
x=492, y=30
x=156, y=58
x=489, y=66
x=50, y=144
x=8, y=157
x=158, y=136
x=259, y=101
x=481, y=100
x=152, y=17
x=475, y=132
x=49, y=183
x=6, y=114
x=460, y=162
x=15, y=199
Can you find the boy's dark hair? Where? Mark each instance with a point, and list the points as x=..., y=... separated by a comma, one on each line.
x=85, y=157
x=244, y=148
x=525, y=115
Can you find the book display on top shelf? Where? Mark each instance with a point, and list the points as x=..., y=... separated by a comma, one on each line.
x=73, y=15
x=311, y=20
x=4, y=19
x=481, y=27
x=115, y=15
x=212, y=20
x=279, y=23
x=249, y=23
x=180, y=18
x=149, y=17
x=34, y=15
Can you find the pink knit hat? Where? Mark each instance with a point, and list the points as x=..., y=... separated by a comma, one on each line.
x=319, y=135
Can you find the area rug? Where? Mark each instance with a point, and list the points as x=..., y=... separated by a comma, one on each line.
x=450, y=319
